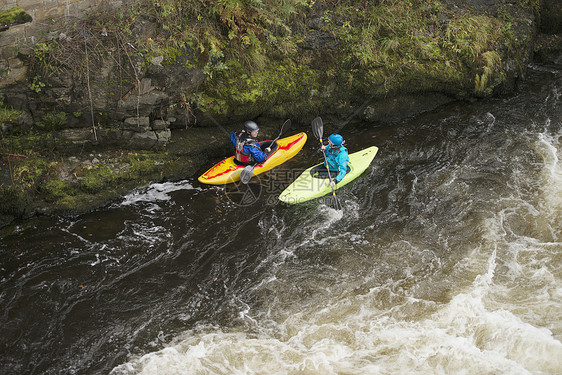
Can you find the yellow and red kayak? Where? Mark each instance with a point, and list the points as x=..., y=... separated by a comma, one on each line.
x=228, y=171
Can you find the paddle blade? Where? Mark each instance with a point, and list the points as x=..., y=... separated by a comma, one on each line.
x=317, y=127
x=333, y=202
x=246, y=174
x=336, y=204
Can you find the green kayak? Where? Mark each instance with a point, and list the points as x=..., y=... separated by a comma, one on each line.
x=310, y=185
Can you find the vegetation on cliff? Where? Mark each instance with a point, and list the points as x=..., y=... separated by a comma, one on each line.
x=268, y=57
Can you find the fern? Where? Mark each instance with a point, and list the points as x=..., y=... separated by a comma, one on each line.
x=492, y=61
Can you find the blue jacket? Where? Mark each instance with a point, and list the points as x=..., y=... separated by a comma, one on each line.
x=337, y=161
x=256, y=152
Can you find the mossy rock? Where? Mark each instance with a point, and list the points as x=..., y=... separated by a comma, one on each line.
x=14, y=16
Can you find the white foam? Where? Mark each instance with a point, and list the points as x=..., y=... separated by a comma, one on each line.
x=156, y=192
x=550, y=149
x=322, y=231
x=361, y=334
x=463, y=338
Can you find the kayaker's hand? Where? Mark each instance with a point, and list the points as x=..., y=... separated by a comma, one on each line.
x=268, y=150
x=323, y=148
x=333, y=183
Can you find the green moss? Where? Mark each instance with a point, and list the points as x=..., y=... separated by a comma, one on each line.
x=14, y=16
x=95, y=179
x=56, y=189
x=71, y=202
x=36, y=178
x=471, y=36
x=8, y=114
x=81, y=202
x=144, y=165
x=29, y=172
x=238, y=90
x=28, y=143
x=53, y=121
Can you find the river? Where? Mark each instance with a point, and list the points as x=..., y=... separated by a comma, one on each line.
x=446, y=259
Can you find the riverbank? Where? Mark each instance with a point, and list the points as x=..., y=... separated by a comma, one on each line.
x=56, y=181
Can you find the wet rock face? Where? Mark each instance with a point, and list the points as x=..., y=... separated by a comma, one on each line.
x=107, y=110
x=122, y=84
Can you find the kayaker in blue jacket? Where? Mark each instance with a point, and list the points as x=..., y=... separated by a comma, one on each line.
x=337, y=158
x=248, y=151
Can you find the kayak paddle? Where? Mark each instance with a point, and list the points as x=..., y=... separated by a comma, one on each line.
x=318, y=130
x=248, y=171
x=286, y=125
x=246, y=174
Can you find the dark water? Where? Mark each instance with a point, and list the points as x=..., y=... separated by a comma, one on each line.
x=447, y=258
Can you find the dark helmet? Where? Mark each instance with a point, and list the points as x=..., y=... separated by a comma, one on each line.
x=251, y=126
x=336, y=139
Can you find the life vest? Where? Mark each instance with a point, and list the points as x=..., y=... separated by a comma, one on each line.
x=244, y=139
